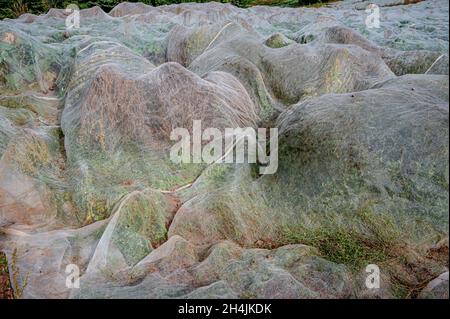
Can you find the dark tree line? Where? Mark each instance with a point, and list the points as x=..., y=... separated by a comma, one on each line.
x=14, y=8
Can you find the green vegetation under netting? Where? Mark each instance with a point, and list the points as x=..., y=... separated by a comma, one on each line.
x=14, y=8
x=87, y=119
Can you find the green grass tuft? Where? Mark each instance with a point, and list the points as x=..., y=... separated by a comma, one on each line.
x=372, y=241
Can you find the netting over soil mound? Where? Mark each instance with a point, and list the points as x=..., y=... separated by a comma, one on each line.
x=86, y=116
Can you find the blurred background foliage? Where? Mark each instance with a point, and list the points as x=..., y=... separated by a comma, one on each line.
x=14, y=8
